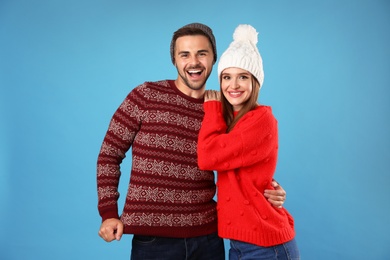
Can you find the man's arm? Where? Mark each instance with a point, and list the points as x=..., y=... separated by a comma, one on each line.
x=119, y=137
x=277, y=196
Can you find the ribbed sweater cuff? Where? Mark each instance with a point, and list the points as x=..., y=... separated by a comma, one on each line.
x=110, y=213
x=212, y=106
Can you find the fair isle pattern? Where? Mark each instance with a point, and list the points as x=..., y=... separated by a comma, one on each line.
x=135, y=207
x=168, y=169
x=167, y=142
x=141, y=193
x=107, y=192
x=163, y=220
x=159, y=116
x=108, y=170
x=119, y=130
x=173, y=118
x=166, y=189
x=154, y=95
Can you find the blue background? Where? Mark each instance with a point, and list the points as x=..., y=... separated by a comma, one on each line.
x=65, y=66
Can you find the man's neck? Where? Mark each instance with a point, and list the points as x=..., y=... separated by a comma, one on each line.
x=194, y=93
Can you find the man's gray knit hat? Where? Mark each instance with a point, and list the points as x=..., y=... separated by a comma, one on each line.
x=243, y=53
x=206, y=31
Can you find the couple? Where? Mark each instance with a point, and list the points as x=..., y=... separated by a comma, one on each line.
x=179, y=133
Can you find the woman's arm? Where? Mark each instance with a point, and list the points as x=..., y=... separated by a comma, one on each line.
x=251, y=140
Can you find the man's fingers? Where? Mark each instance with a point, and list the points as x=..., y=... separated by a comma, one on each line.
x=275, y=197
x=211, y=95
x=119, y=231
x=275, y=193
x=111, y=229
x=277, y=204
x=107, y=233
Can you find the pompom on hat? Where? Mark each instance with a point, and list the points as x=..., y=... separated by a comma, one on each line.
x=243, y=53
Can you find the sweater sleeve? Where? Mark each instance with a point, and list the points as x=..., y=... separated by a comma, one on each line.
x=250, y=141
x=122, y=129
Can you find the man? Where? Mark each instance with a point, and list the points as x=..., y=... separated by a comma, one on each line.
x=169, y=205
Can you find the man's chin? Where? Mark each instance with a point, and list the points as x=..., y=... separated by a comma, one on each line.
x=197, y=86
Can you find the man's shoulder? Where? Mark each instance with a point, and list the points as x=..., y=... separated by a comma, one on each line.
x=159, y=83
x=152, y=85
x=152, y=90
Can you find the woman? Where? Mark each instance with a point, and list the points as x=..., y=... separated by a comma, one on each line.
x=239, y=139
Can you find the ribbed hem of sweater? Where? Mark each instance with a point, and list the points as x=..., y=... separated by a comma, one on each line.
x=174, y=232
x=259, y=238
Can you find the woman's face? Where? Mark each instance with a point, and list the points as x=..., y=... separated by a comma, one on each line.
x=236, y=85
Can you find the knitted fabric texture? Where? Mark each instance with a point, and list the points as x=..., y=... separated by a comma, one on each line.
x=168, y=195
x=199, y=26
x=243, y=53
x=245, y=159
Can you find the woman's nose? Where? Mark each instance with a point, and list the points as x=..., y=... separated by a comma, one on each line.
x=234, y=84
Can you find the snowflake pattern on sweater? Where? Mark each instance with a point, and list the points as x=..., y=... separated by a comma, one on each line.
x=168, y=195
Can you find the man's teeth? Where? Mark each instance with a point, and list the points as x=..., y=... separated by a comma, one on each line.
x=194, y=71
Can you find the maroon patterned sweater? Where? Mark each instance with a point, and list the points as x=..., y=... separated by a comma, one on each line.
x=168, y=195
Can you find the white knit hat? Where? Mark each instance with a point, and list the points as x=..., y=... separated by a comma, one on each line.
x=242, y=53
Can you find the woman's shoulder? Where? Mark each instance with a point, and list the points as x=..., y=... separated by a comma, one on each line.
x=264, y=108
x=260, y=111
x=257, y=116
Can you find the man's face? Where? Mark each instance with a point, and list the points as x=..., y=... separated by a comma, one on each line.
x=194, y=62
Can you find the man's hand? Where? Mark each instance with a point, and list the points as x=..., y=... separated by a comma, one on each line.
x=210, y=95
x=276, y=197
x=111, y=229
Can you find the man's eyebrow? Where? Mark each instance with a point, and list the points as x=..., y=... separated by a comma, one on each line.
x=199, y=51
x=183, y=52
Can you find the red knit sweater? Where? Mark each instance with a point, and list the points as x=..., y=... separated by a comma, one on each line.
x=245, y=159
x=168, y=195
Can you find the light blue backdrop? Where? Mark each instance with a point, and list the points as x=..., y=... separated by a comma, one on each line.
x=65, y=66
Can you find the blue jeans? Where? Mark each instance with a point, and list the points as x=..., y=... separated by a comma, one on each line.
x=193, y=248
x=244, y=251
